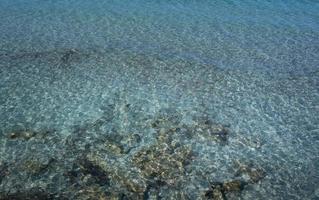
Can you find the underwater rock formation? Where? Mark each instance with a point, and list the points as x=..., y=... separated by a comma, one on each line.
x=36, y=165
x=28, y=134
x=200, y=128
x=95, y=171
x=118, y=144
x=255, y=174
x=25, y=135
x=166, y=163
x=211, y=131
x=102, y=160
x=67, y=56
x=33, y=194
x=125, y=181
x=219, y=190
x=92, y=193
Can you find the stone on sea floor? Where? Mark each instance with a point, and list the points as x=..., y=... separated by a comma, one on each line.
x=36, y=165
x=129, y=179
x=211, y=131
x=215, y=192
x=202, y=128
x=167, y=118
x=91, y=193
x=233, y=186
x=117, y=163
x=119, y=145
x=219, y=190
x=163, y=161
x=67, y=55
x=114, y=148
x=32, y=194
x=255, y=174
x=29, y=134
x=254, y=143
x=88, y=167
x=25, y=135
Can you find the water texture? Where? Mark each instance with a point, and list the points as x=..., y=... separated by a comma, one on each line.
x=165, y=99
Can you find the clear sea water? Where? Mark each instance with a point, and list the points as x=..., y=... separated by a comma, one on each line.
x=250, y=65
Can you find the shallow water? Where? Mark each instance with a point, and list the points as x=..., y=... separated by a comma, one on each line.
x=93, y=93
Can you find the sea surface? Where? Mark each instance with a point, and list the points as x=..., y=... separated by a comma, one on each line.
x=159, y=99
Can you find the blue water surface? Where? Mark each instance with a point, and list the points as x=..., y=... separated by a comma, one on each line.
x=251, y=65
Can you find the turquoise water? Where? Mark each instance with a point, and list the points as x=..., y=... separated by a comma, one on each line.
x=159, y=99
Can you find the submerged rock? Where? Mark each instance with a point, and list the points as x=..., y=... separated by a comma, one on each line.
x=255, y=174
x=92, y=193
x=165, y=160
x=128, y=179
x=218, y=190
x=36, y=165
x=99, y=160
x=25, y=135
x=119, y=145
x=167, y=118
x=233, y=186
x=201, y=128
x=29, y=134
x=68, y=55
x=32, y=194
x=88, y=167
x=211, y=131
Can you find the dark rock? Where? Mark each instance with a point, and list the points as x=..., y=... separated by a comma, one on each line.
x=25, y=135
x=233, y=186
x=167, y=118
x=92, y=193
x=215, y=192
x=255, y=174
x=129, y=179
x=212, y=131
x=163, y=161
x=67, y=56
x=219, y=190
x=28, y=134
x=117, y=144
x=88, y=167
x=33, y=194
x=36, y=165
